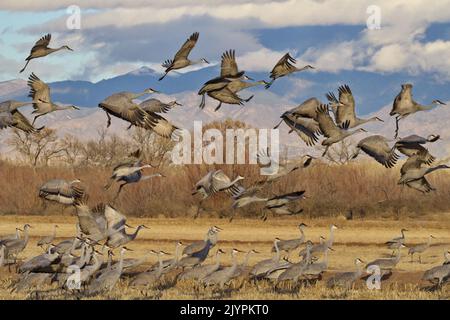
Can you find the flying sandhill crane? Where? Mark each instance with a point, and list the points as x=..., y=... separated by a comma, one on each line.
x=121, y=105
x=228, y=72
x=279, y=205
x=130, y=171
x=346, y=279
x=330, y=130
x=181, y=59
x=344, y=109
x=404, y=105
x=413, y=144
x=41, y=49
x=420, y=248
x=229, y=95
x=284, y=67
x=42, y=103
x=216, y=181
x=274, y=170
x=61, y=191
x=378, y=148
x=414, y=170
x=11, y=117
x=303, y=121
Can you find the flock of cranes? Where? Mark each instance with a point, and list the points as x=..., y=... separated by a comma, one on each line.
x=102, y=229
x=89, y=255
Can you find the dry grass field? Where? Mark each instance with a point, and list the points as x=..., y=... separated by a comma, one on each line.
x=355, y=238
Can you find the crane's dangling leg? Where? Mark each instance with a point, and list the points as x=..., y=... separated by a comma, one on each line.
x=248, y=99
x=164, y=75
x=23, y=69
x=325, y=152
x=397, y=119
x=279, y=123
x=202, y=103
x=269, y=84
x=218, y=107
x=120, y=189
x=199, y=207
x=108, y=123
x=34, y=120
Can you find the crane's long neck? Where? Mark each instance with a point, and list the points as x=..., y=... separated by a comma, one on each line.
x=121, y=261
x=397, y=257
x=331, y=240
x=253, y=84
x=160, y=265
x=58, y=107
x=26, y=236
x=308, y=254
x=51, y=50
x=277, y=252
x=134, y=235
x=177, y=253
x=54, y=232
x=247, y=258
x=17, y=233
x=217, y=259
x=359, y=271
x=426, y=107
x=2, y=255
x=302, y=235
x=235, y=263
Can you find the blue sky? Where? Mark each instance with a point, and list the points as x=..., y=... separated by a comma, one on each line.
x=413, y=44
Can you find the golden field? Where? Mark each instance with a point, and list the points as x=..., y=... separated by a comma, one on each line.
x=354, y=238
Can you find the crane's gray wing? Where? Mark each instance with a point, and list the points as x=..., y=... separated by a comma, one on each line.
x=283, y=66
x=327, y=126
x=154, y=105
x=378, y=148
x=187, y=47
x=345, y=113
x=228, y=66
x=114, y=218
x=307, y=129
x=42, y=42
x=421, y=185
x=22, y=123
x=39, y=90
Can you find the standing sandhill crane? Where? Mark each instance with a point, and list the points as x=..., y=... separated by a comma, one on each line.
x=262, y=267
x=42, y=102
x=295, y=270
x=378, y=148
x=346, y=279
x=387, y=264
x=11, y=117
x=107, y=280
x=149, y=277
x=46, y=241
x=285, y=67
x=199, y=273
x=315, y=270
x=39, y=262
x=323, y=246
x=329, y=129
x=439, y=273
x=210, y=239
x=228, y=72
x=14, y=247
x=413, y=173
x=275, y=172
x=61, y=191
x=41, y=49
x=213, y=182
x=344, y=109
x=404, y=105
x=420, y=248
x=413, y=144
x=130, y=171
x=170, y=264
x=400, y=239
x=13, y=236
x=181, y=60
x=223, y=276
x=292, y=244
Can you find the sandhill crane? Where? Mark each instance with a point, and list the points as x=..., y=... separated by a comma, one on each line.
x=274, y=170
x=292, y=244
x=400, y=239
x=210, y=239
x=130, y=171
x=170, y=264
x=329, y=129
x=29, y=280
x=323, y=246
x=315, y=270
x=46, y=241
x=41, y=49
x=42, y=102
x=228, y=72
x=199, y=273
x=413, y=173
x=108, y=280
x=279, y=204
x=39, y=262
x=295, y=270
x=148, y=277
x=346, y=279
x=155, y=105
x=4, y=259
x=223, y=276
x=378, y=148
x=404, y=105
x=262, y=267
x=439, y=273
x=387, y=264
x=344, y=109
x=14, y=247
x=413, y=144
x=213, y=182
x=303, y=120
x=447, y=257
x=181, y=60
x=61, y=191
x=420, y=248
x=196, y=258
x=285, y=67
x=13, y=236
x=11, y=117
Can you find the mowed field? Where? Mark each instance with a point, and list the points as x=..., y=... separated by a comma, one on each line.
x=356, y=238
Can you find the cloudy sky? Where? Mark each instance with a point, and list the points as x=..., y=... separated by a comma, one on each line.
x=412, y=44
